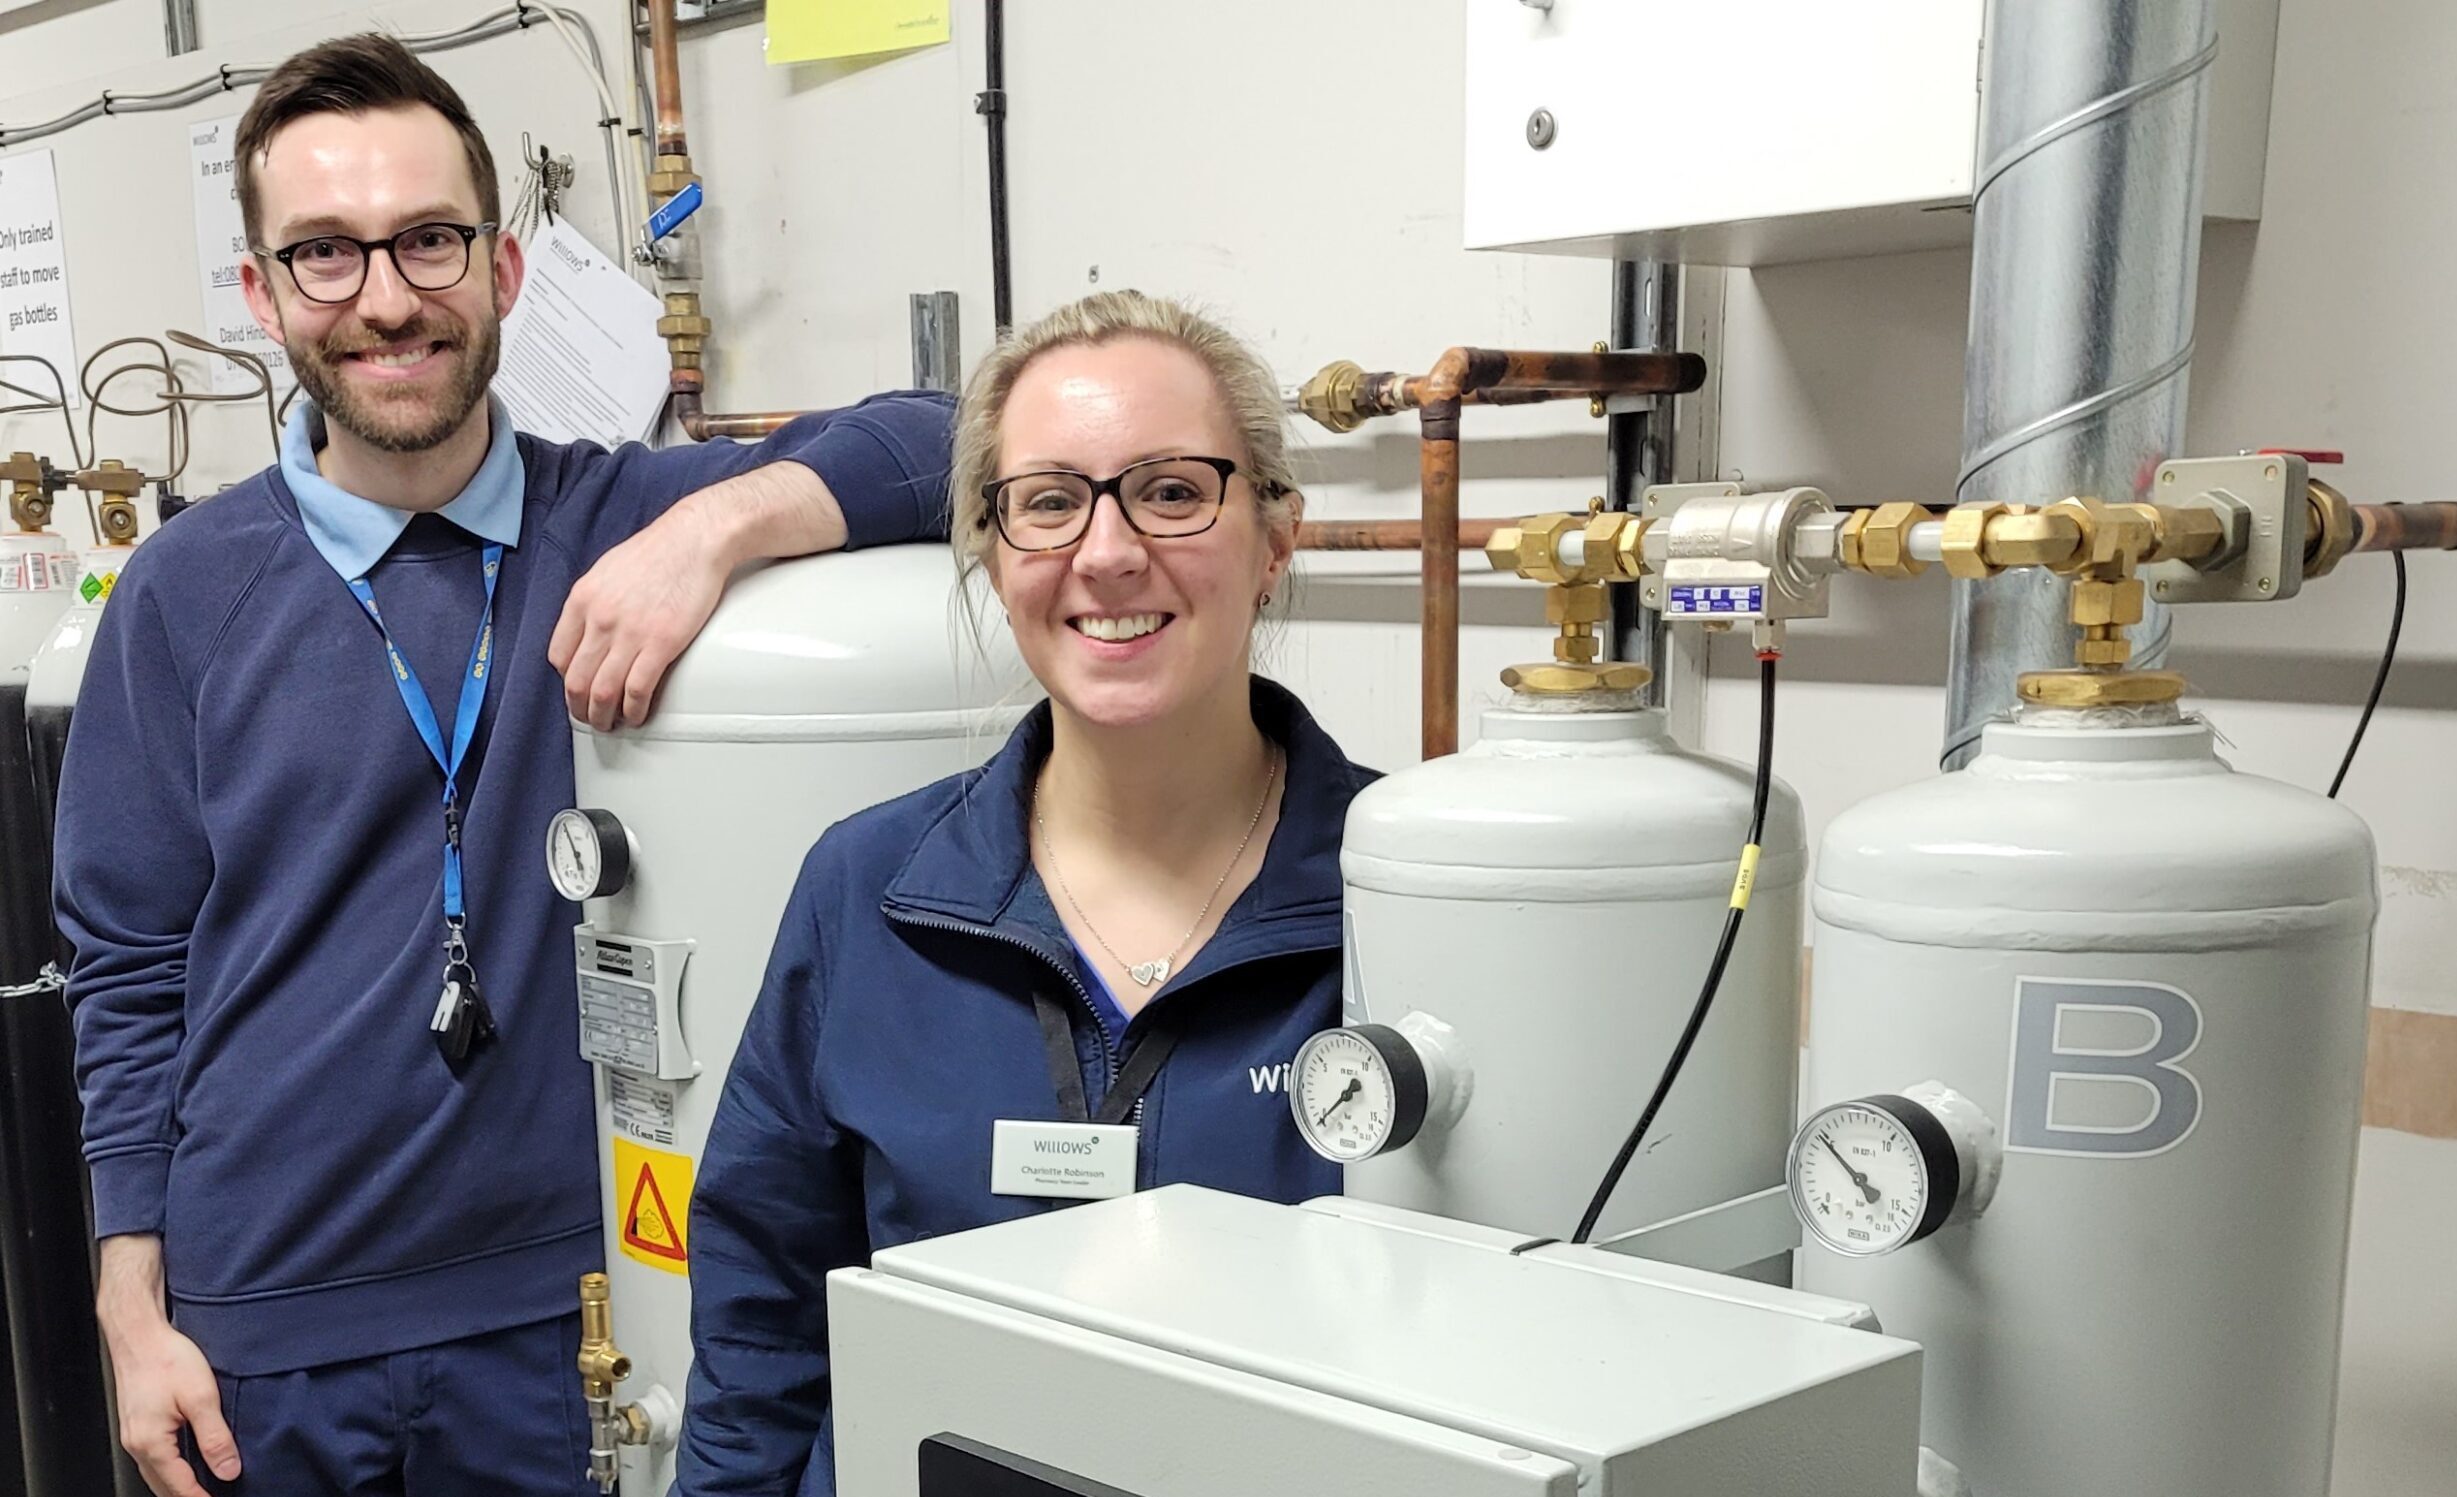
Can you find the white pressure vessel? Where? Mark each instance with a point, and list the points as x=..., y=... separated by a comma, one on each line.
x=2151, y=973
x=1552, y=897
x=820, y=687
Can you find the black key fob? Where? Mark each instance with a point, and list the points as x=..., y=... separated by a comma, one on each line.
x=462, y=1020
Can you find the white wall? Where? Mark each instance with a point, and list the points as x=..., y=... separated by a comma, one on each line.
x=1297, y=164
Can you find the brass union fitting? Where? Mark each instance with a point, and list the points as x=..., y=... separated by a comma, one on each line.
x=1613, y=539
x=2187, y=533
x=1532, y=548
x=670, y=175
x=1332, y=399
x=2107, y=604
x=683, y=325
x=1878, y=541
x=2329, y=529
x=1964, y=543
x=2039, y=538
x=1575, y=610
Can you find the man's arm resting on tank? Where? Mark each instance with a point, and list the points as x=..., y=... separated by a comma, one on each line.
x=648, y=598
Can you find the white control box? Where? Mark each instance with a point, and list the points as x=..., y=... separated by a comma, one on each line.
x=1187, y=1343
x=1756, y=132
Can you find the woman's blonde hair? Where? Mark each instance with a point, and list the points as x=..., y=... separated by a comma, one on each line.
x=1245, y=383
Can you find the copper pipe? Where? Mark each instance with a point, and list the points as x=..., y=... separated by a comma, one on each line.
x=1342, y=396
x=1384, y=535
x=684, y=319
x=665, y=77
x=701, y=426
x=1468, y=372
x=2406, y=527
x=1438, y=510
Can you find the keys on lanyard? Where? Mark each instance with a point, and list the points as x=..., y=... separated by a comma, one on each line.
x=461, y=1021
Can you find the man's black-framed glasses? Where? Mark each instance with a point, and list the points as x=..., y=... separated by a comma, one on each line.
x=1161, y=497
x=333, y=267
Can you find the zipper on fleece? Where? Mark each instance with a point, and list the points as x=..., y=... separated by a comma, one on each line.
x=1074, y=985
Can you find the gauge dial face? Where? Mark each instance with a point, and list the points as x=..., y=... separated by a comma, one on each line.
x=1860, y=1180
x=1343, y=1094
x=575, y=855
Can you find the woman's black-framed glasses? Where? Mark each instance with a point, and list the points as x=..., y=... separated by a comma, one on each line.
x=1161, y=497
x=333, y=267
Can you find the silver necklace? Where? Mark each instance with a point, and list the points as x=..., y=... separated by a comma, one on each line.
x=1148, y=973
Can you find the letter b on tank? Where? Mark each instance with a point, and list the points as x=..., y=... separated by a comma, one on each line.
x=2095, y=1068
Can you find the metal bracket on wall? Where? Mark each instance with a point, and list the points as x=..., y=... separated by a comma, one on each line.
x=938, y=342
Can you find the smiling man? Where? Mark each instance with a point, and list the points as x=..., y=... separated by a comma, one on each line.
x=340, y=1133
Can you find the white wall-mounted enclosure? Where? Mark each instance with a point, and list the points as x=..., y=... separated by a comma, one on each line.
x=1759, y=132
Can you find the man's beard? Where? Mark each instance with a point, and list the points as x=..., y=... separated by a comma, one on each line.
x=400, y=421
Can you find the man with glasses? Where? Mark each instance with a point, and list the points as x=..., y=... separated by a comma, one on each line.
x=340, y=1134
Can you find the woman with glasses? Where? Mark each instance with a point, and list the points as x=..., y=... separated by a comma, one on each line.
x=1082, y=969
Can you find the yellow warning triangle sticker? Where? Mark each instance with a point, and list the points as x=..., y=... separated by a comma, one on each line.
x=647, y=1221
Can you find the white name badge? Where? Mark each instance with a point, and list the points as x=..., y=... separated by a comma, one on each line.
x=1075, y=1161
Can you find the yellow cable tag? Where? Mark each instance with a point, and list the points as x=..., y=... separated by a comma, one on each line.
x=1747, y=878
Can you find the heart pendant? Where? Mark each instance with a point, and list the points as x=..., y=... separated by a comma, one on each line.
x=1148, y=973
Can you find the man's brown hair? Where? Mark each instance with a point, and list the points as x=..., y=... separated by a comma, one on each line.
x=351, y=75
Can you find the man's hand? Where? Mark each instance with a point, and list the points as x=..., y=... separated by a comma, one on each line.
x=647, y=599
x=164, y=1382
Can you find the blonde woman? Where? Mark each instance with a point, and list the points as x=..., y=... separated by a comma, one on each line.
x=1118, y=930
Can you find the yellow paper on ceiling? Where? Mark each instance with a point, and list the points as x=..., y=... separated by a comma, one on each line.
x=813, y=30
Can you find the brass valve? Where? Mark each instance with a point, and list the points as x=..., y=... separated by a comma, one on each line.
x=31, y=483
x=1575, y=556
x=115, y=515
x=601, y=1364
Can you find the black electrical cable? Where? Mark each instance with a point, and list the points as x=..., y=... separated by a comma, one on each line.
x=1723, y=952
x=2380, y=678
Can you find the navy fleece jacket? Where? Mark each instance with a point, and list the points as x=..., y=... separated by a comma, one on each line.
x=250, y=868
x=897, y=1024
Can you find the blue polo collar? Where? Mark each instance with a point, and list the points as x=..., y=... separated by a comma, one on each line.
x=352, y=534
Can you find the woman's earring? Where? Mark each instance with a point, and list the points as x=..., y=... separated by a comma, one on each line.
x=1266, y=602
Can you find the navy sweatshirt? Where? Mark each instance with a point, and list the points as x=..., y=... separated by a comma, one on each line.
x=250, y=868
x=896, y=1024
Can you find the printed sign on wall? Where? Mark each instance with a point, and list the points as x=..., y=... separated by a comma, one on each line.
x=34, y=273
x=221, y=243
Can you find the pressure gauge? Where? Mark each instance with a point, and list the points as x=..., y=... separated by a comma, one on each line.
x=1879, y=1173
x=588, y=854
x=1358, y=1092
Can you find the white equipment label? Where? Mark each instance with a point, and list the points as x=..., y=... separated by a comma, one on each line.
x=618, y=1023
x=643, y=1109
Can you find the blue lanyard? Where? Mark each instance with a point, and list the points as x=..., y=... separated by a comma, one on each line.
x=464, y=722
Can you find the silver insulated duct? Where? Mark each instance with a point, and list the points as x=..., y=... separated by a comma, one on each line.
x=2087, y=248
